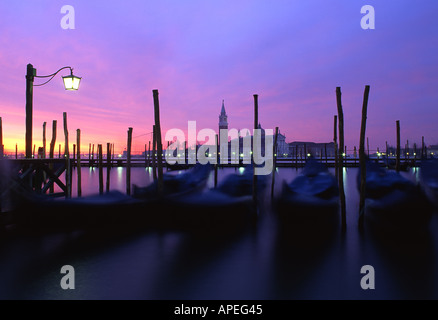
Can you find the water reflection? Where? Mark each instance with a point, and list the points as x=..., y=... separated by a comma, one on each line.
x=265, y=261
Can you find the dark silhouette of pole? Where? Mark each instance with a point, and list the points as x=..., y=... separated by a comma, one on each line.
x=30, y=76
x=158, y=140
x=274, y=152
x=154, y=153
x=397, y=163
x=108, y=166
x=78, y=163
x=362, y=159
x=67, y=157
x=335, y=141
x=99, y=161
x=341, y=161
x=128, y=162
x=44, y=140
x=255, y=152
x=52, y=150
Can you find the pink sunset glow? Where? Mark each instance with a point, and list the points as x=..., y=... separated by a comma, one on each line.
x=293, y=54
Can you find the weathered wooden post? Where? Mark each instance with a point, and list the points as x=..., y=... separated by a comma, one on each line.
x=341, y=161
x=78, y=163
x=100, y=165
x=149, y=154
x=335, y=141
x=362, y=159
x=254, y=146
x=89, y=154
x=52, y=149
x=154, y=154
x=345, y=155
x=33, y=151
x=16, y=151
x=44, y=140
x=368, y=147
x=67, y=157
x=30, y=76
x=397, y=163
x=274, y=152
x=325, y=151
x=422, y=147
x=108, y=166
x=158, y=139
x=128, y=162
x=355, y=155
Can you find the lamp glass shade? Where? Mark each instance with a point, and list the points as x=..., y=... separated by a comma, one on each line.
x=71, y=82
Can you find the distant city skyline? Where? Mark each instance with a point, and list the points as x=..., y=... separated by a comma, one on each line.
x=293, y=54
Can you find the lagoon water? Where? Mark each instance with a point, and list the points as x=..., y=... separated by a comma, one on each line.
x=258, y=263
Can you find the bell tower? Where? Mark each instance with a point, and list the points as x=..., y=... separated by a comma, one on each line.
x=223, y=123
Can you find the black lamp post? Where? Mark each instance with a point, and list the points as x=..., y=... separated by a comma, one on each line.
x=71, y=82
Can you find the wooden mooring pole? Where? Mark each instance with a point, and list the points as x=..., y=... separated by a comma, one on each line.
x=274, y=152
x=154, y=154
x=108, y=166
x=362, y=159
x=368, y=147
x=100, y=165
x=217, y=160
x=44, y=140
x=52, y=150
x=422, y=148
x=255, y=152
x=158, y=140
x=78, y=161
x=341, y=161
x=128, y=162
x=335, y=141
x=149, y=154
x=67, y=157
x=397, y=163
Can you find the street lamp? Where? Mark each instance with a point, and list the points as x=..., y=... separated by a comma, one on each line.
x=71, y=82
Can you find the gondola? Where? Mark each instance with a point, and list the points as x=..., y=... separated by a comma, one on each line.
x=393, y=203
x=145, y=208
x=227, y=207
x=311, y=200
x=429, y=179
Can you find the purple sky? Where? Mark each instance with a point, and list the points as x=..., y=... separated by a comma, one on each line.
x=293, y=54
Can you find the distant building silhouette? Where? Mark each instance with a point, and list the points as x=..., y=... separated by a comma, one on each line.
x=223, y=118
x=301, y=148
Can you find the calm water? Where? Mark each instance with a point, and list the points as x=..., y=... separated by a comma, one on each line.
x=259, y=263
